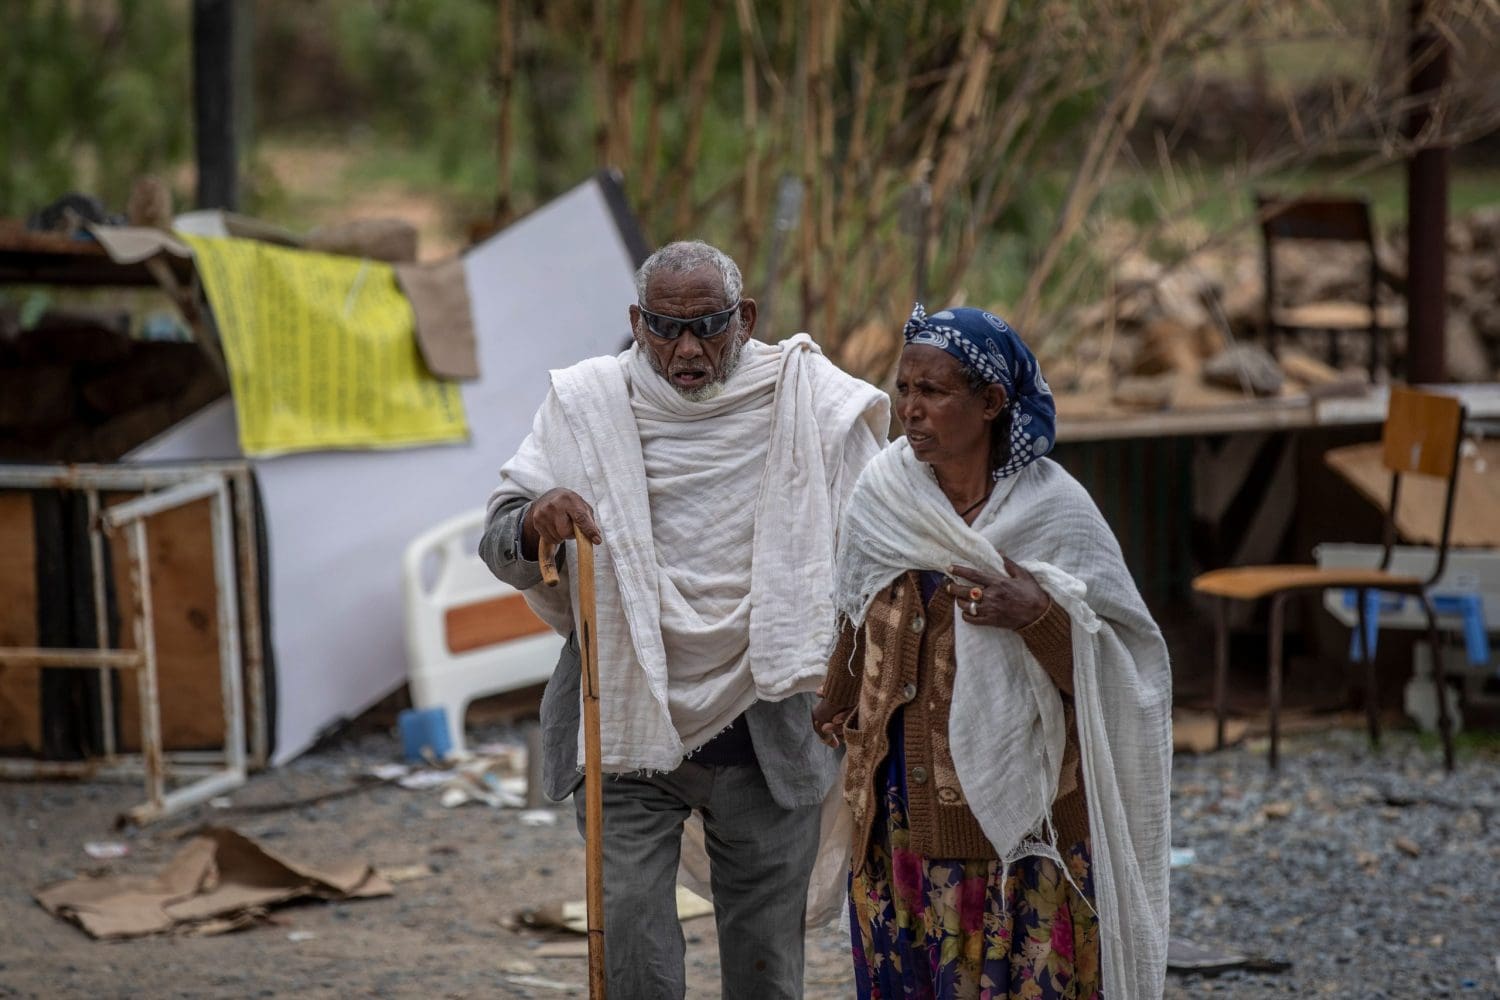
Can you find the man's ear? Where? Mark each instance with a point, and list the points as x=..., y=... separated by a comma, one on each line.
x=748, y=314
x=635, y=317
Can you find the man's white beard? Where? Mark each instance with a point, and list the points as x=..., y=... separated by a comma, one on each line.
x=702, y=393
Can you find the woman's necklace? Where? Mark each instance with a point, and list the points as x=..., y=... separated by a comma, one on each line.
x=970, y=509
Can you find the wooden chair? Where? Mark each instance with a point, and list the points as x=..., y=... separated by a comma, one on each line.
x=1345, y=220
x=1422, y=435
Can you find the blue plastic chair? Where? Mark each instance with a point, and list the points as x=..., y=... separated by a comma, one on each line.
x=1468, y=607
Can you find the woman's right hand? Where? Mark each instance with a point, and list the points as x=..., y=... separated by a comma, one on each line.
x=828, y=720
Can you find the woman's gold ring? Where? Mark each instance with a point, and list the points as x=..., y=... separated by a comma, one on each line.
x=976, y=594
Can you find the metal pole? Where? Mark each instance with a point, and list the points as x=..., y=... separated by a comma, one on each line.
x=144, y=629
x=214, y=107
x=101, y=624
x=1426, y=208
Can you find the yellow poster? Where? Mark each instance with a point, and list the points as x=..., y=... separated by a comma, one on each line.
x=321, y=351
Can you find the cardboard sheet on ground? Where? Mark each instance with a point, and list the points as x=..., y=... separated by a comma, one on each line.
x=220, y=881
x=322, y=351
x=552, y=289
x=1198, y=732
x=573, y=914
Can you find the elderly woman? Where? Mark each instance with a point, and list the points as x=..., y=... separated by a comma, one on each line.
x=1005, y=699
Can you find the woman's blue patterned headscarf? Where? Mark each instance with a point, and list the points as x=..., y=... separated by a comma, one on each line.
x=986, y=345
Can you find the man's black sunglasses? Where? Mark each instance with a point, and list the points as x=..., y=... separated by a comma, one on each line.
x=702, y=327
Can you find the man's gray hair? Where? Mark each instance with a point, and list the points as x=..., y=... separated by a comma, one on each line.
x=685, y=256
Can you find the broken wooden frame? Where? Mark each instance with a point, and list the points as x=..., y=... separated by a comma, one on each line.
x=236, y=572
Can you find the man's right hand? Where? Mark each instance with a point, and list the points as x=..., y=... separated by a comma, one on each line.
x=550, y=520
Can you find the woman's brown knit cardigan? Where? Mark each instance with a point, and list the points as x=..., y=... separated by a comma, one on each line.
x=903, y=656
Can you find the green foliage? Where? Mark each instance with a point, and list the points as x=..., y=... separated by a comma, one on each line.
x=95, y=95
x=425, y=66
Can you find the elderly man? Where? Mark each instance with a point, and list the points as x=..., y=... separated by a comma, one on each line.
x=710, y=469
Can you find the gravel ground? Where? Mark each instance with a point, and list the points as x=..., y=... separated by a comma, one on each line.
x=1374, y=876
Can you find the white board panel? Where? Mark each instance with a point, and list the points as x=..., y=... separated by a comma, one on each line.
x=547, y=292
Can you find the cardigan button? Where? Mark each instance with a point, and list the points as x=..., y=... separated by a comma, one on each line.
x=917, y=624
x=919, y=775
x=909, y=692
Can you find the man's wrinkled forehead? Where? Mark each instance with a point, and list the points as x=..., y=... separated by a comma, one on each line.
x=699, y=289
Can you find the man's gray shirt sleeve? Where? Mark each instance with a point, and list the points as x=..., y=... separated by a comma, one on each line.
x=500, y=546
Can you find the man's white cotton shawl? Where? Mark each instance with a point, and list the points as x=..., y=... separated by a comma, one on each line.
x=1006, y=728
x=714, y=585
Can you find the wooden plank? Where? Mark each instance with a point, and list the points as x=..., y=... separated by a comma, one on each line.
x=1476, y=507
x=28, y=257
x=1268, y=415
x=1337, y=316
x=20, y=689
x=486, y=623
x=185, y=615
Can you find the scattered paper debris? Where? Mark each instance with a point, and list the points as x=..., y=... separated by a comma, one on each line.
x=476, y=782
x=1185, y=956
x=538, y=817
x=518, y=967
x=420, y=780
x=405, y=873
x=572, y=915
x=1408, y=846
x=1183, y=856
x=221, y=802
x=106, y=850
x=543, y=984
x=297, y=937
x=573, y=948
x=492, y=775
x=1277, y=810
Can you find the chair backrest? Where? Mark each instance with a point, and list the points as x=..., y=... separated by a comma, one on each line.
x=1315, y=217
x=454, y=604
x=1423, y=432
x=1323, y=217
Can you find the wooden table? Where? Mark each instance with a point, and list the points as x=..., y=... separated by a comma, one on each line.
x=1419, y=515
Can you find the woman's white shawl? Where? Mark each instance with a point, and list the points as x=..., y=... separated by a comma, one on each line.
x=714, y=585
x=1006, y=728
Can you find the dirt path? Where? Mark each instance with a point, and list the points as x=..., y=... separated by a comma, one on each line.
x=442, y=936
x=1375, y=876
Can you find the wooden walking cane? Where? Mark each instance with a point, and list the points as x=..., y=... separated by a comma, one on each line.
x=593, y=777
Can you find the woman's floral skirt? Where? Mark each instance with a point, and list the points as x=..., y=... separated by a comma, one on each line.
x=955, y=930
